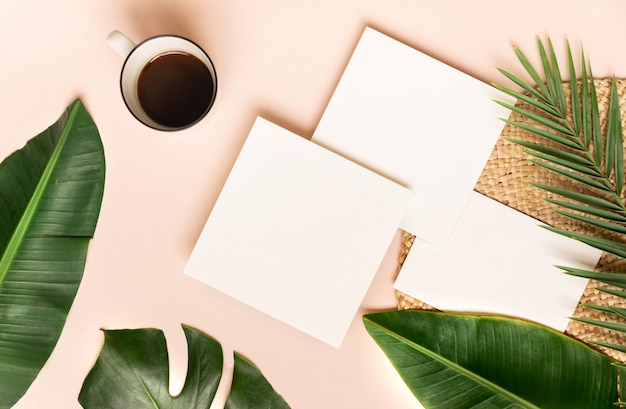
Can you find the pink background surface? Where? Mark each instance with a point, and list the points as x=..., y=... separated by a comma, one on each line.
x=276, y=58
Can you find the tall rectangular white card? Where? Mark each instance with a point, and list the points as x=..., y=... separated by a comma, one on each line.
x=418, y=121
x=499, y=261
x=317, y=227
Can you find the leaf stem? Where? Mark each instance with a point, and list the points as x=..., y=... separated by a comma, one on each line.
x=23, y=225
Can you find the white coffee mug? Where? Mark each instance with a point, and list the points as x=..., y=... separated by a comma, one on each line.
x=167, y=82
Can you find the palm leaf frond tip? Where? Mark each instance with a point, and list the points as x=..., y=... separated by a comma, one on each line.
x=572, y=137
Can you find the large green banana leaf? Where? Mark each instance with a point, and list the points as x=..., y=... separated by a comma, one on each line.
x=453, y=361
x=132, y=372
x=50, y=196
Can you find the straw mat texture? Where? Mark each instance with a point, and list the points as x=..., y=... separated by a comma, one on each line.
x=505, y=178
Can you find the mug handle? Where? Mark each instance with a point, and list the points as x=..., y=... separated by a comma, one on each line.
x=120, y=43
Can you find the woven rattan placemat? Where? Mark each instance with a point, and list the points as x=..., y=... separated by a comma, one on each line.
x=505, y=178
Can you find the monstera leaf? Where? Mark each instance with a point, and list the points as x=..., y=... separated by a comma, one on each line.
x=50, y=196
x=456, y=361
x=250, y=389
x=132, y=372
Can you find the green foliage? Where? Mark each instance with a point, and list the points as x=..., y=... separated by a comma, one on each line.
x=452, y=361
x=132, y=371
x=458, y=361
x=250, y=389
x=585, y=148
x=50, y=196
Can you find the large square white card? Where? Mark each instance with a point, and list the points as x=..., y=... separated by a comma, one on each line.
x=417, y=121
x=317, y=227
x=499, y=261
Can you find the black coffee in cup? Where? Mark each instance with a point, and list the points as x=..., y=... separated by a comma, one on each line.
x=175, y=89
x=167, y=81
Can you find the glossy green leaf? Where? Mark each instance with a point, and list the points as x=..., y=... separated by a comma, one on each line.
x=541, y=132
x=621, y=368
x=577, y=131
x=452, y=361
x=251, y=390
x=604, y=324
x=580, y=197
x=596, y=127
x=542, y=120
x=565, y=163
x=615, y=139
x=525, y=86
x=617, y=280
x=591, y=157
x=605, y=214
x=620, y=312
x=578, y=177
x=570, y=159
x=610, y=246
x=547, y=69
x=527, y=99
x=132, y=371
x=557, y=80
x=620, y=348
x=585, y=99
x=50, y=196
x=608, y=226
x=543, y=94
x=577, y=113
x=611, y=135
x=616, y=293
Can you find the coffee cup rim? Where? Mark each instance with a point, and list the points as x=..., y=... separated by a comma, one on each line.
x=145, y=119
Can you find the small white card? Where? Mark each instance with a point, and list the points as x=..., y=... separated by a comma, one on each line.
x=499, y=261
x=316, y=228
x=417, y=121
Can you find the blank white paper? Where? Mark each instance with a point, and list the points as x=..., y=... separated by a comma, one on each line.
x=418, y=121
x=298, y=232
x=499, y=261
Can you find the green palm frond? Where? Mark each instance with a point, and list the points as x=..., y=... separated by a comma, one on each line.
x=585, y=147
